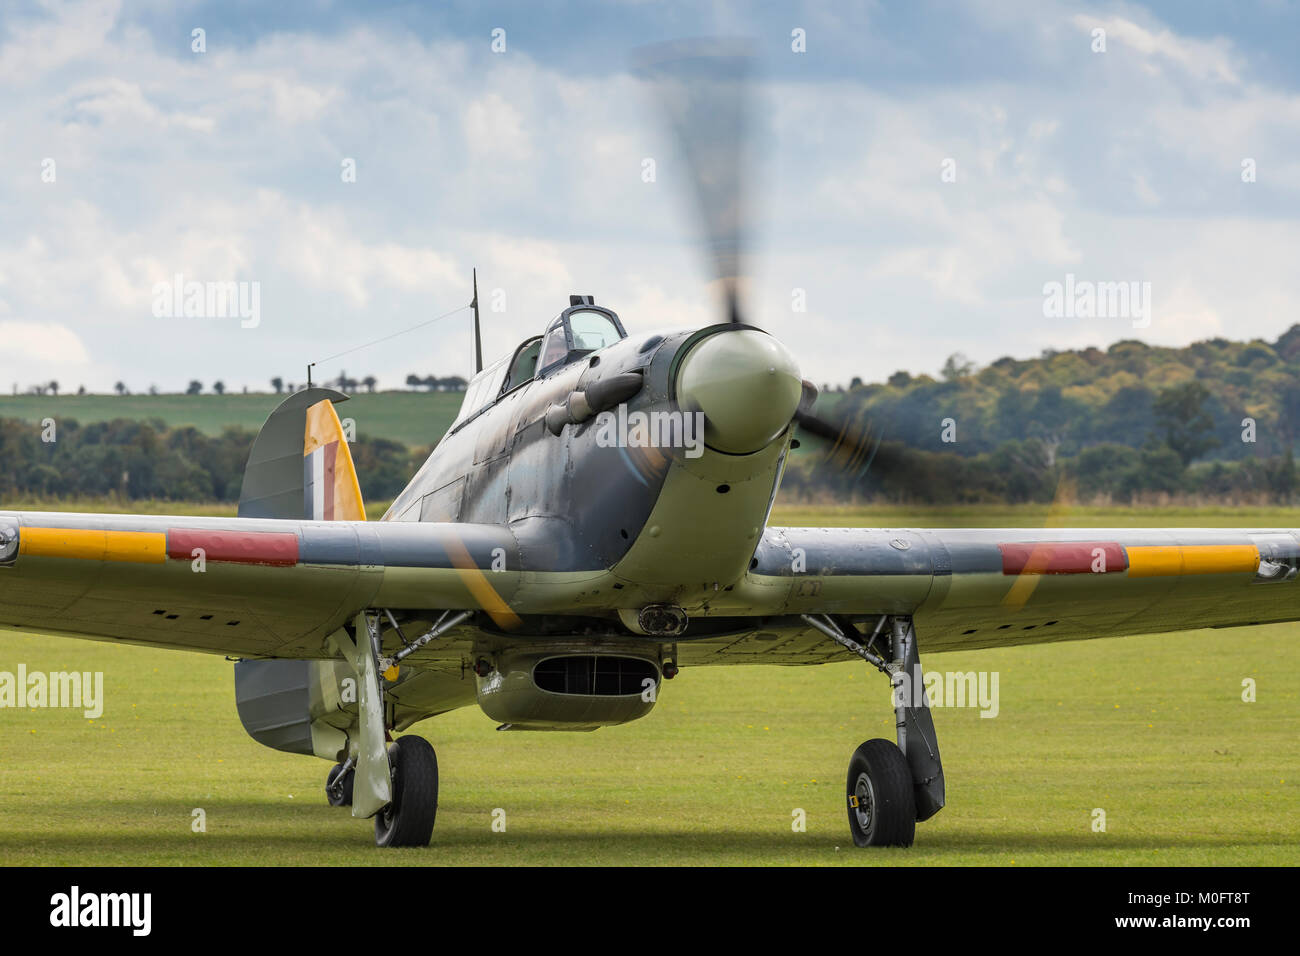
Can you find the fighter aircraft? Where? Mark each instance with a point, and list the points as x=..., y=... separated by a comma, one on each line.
x=595, y=519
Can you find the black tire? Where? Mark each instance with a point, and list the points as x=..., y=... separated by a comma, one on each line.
x=342, y=798
x=408, y=820
x=882, y=807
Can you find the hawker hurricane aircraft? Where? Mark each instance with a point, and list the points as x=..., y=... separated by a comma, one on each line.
x=595, y=519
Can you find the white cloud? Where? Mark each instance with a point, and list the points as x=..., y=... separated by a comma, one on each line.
x=283, y=97
x=116, y=102
x=494, y=130
x=1203, y=60
x=39, y=344
x=226, y=166
x=73, y=33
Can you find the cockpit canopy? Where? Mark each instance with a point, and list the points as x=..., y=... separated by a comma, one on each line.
x=579, y=330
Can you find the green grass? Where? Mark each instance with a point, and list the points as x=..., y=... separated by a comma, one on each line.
x=1151, y=729
x=413, y=418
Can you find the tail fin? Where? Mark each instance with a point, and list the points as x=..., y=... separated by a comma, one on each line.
x=300, y=465
x=331, y=491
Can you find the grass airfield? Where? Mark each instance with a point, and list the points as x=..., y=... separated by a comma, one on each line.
x=1152, y=730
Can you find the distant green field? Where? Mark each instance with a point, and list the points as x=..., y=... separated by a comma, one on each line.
x=413, y=418
x=1152, y=730
x=794, y=514
x=147, y=506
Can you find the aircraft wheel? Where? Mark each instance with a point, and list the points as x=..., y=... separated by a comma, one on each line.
x=340, y=795
x=408, y=820
x=882, y=808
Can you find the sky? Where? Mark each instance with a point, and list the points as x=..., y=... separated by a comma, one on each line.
x=921, y=174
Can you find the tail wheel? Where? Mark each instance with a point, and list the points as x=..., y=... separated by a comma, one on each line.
x=408, y=820
x=339, y=792
x=882, y=808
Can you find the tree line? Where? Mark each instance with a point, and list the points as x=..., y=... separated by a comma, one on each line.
x=147, y=459
x=1217, y=419
x=343, y=381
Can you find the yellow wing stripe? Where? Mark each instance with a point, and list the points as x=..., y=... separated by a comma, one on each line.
x=1165, y=560
x=143, y=547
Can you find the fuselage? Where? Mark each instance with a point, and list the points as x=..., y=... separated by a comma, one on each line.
x=639, y=497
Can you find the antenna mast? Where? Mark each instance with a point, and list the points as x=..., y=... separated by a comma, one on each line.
x=478, y=342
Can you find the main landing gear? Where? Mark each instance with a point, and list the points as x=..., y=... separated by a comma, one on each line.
x=407, y=820
x=882, y=811
x=890, y=788
x=397, y=783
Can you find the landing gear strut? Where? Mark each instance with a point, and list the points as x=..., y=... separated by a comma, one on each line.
x=396, y=784
x=891, y=787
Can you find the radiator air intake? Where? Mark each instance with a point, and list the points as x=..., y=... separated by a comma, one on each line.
x=551, y=689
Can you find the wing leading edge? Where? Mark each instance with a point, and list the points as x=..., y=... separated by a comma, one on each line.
x=253, y=587
x=998, y=587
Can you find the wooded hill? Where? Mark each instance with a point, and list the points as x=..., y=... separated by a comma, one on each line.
x=1215, y=419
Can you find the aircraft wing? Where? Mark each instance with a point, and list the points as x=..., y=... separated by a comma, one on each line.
x=999, y=587
x=239, y=586
x=278, y=588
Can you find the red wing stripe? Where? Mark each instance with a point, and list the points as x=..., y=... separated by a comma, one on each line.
x=276, y=548
x=1056, y=557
